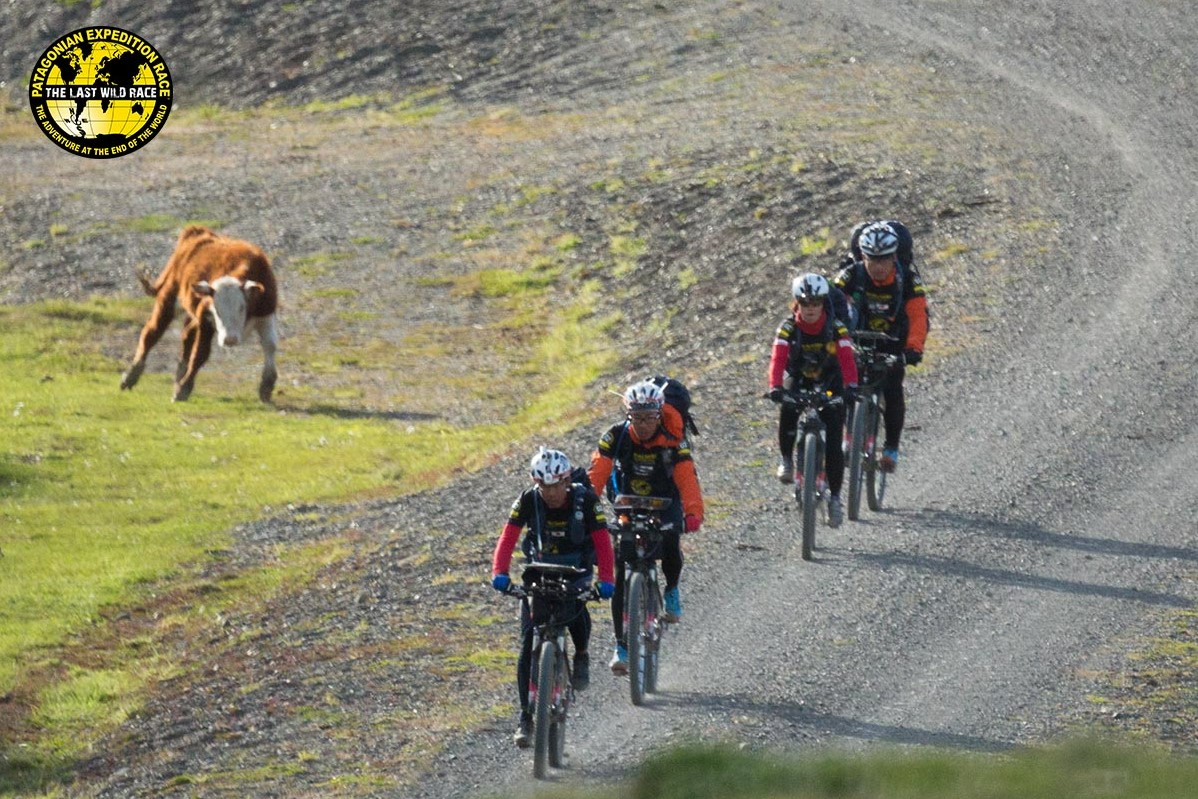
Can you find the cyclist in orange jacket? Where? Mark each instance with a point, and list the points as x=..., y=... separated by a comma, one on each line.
x=648, y=454
x=887, y=295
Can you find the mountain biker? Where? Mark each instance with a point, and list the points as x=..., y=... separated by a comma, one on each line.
x=648, y=454
x=566, y=525
x=888, y=295
x=812, y=349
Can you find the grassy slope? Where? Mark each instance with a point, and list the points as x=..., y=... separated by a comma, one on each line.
x=104, y=491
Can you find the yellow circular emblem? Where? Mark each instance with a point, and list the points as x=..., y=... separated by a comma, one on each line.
x=100, y=92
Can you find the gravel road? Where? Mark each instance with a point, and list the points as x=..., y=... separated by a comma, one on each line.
x=1044, y=510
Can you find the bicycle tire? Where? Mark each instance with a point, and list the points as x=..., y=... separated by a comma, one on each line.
x=547, y=665
x=856, y=452
x=653, y=627
x=875, y=477
x=559, y=713
x=635, y=631
x=810, y=471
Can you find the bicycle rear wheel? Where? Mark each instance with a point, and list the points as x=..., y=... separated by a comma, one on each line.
x=546, y=686
x=637, y=604
x=875, y=477
x=559, y=712
x=807, y=501
x=856, y=456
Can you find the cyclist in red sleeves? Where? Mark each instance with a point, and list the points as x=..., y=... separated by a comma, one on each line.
x=566, y=525
x=648, y=454
x=812, y=348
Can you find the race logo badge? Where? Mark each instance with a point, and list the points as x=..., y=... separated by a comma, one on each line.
x=100, y=92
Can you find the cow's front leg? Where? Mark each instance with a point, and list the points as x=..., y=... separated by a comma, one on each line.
x=269, y=336
x=160, y=319
x=197, y=346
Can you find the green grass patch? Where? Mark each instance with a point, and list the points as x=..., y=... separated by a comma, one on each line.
x=625, y=251
x=503, y=283
x=1079, y=770
x=335, y=294
x=476, y=234
x=950, y=250
x=822, y=243
x=318, y=264
x=566, y=242
x=154, y=223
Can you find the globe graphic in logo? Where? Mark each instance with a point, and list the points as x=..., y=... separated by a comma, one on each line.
x=100, y=92
x=105, y=68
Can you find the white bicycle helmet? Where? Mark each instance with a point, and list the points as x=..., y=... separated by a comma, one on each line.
x=809, y=287
x=550, y=467
x=644, y=396
x=878, y=239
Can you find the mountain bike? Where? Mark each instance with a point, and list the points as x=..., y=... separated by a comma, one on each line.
x=638, y=529
x=811, y=485
x=872, y=369
x=553, y=592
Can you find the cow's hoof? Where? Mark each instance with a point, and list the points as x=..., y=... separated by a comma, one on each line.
x=181, y=395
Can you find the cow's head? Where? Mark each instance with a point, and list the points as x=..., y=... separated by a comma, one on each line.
x=230, y=303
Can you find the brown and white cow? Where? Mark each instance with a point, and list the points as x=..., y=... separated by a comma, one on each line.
x=227, y=288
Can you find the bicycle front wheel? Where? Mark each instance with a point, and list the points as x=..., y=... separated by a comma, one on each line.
x=636, y=600
x=875, y=477
x=810, y=472
x=653, y=628
x=546, y=687
x=559, y=712
x=856, y=456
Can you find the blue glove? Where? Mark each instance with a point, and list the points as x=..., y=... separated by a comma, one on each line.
x=606, y=590
x=501, y=582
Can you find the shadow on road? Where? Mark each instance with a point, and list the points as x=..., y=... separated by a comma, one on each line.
x=805, y=722
x=360, y=413
x=955, y=522
x=1023, y=531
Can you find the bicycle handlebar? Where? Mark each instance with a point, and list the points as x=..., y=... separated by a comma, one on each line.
x=559, y=590
x=871, y=335
x=803, y=396
x=555, y=568
x=637, y=502
x=588, y=594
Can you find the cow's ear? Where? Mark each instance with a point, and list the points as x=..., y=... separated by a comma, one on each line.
x=203, y=288
x=253, y=285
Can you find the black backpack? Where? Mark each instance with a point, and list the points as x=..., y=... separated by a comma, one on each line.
x=579, y=475
x=679, y=396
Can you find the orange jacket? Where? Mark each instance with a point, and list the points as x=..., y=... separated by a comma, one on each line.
x=670, y=434
x=917, y=315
